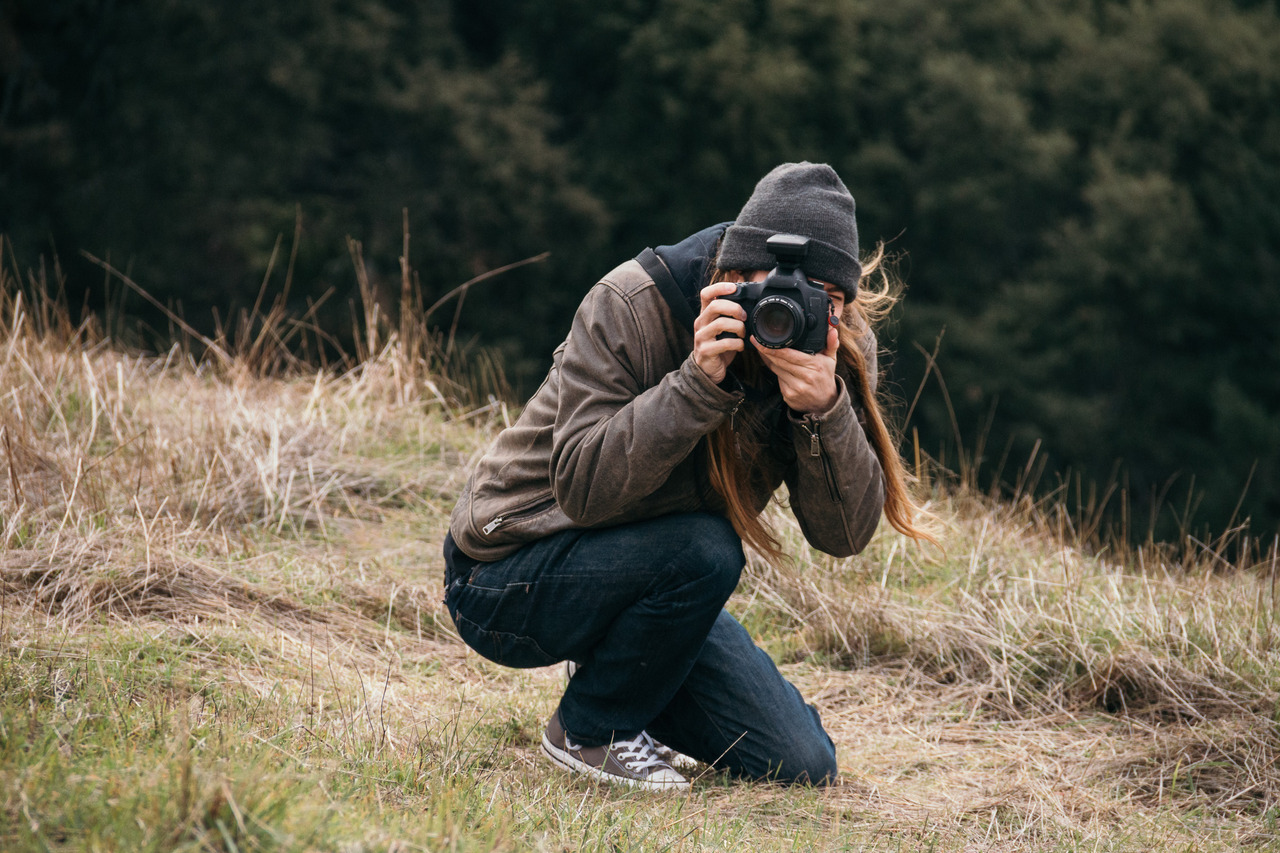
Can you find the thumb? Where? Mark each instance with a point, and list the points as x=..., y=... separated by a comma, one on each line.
x=833, y=342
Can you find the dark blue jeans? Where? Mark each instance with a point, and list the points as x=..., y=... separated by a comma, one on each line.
x=640, y=607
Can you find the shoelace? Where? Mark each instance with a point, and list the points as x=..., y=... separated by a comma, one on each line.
x=641, y=753
x=638, y=753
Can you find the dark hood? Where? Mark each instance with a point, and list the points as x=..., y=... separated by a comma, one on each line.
x=688, y=261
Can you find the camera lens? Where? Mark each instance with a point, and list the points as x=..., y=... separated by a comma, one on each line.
x=777, y=322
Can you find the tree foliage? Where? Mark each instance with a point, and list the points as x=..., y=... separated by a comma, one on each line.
x=1084, y=192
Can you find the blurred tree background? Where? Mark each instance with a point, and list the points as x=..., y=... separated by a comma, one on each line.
x=1085, y=193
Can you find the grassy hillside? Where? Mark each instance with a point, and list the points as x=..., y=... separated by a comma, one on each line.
x=222, y=630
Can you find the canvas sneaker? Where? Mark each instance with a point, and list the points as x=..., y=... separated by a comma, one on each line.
x=632, y=762
x=677, y=760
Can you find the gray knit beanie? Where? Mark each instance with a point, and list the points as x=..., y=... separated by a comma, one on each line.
x=807, y=199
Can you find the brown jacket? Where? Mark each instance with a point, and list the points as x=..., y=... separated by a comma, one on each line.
x=617, y=433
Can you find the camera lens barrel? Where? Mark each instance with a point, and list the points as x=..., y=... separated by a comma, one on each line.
x=776, y=322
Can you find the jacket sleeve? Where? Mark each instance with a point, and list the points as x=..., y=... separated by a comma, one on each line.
x=837, y=485
x=619, y=433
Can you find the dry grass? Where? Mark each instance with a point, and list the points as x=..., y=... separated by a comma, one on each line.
x=219, y=601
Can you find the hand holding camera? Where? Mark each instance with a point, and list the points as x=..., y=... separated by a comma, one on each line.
x=786, y=314
x=718, y=330
x=807, y=381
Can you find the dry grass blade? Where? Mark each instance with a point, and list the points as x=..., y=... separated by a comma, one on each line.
x=85, y=579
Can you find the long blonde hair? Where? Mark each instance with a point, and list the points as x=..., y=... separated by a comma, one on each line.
x=877, y=294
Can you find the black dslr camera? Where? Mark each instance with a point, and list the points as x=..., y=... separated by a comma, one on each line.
x=786, y=309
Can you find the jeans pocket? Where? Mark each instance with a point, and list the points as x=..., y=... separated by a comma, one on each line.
x=501, y=647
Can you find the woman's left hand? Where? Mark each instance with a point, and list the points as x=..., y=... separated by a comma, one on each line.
x=807, y=381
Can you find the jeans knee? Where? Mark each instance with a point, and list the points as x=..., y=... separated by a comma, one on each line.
x=713, y=551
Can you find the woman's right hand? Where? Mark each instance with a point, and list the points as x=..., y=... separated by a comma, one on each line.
x=718, y=317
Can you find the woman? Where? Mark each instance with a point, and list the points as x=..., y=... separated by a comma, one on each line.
x=606, y=526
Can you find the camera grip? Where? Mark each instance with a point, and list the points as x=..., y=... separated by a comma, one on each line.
x=737, y=296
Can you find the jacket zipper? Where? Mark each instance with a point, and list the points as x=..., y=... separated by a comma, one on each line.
x=813, y=426
x=531, y=510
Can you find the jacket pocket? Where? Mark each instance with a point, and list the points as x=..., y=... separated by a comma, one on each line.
x=508, y=517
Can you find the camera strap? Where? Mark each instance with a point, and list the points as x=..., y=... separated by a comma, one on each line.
x=667, y=286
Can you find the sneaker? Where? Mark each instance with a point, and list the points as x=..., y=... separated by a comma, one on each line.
x=631, y=762
x=677, y=760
